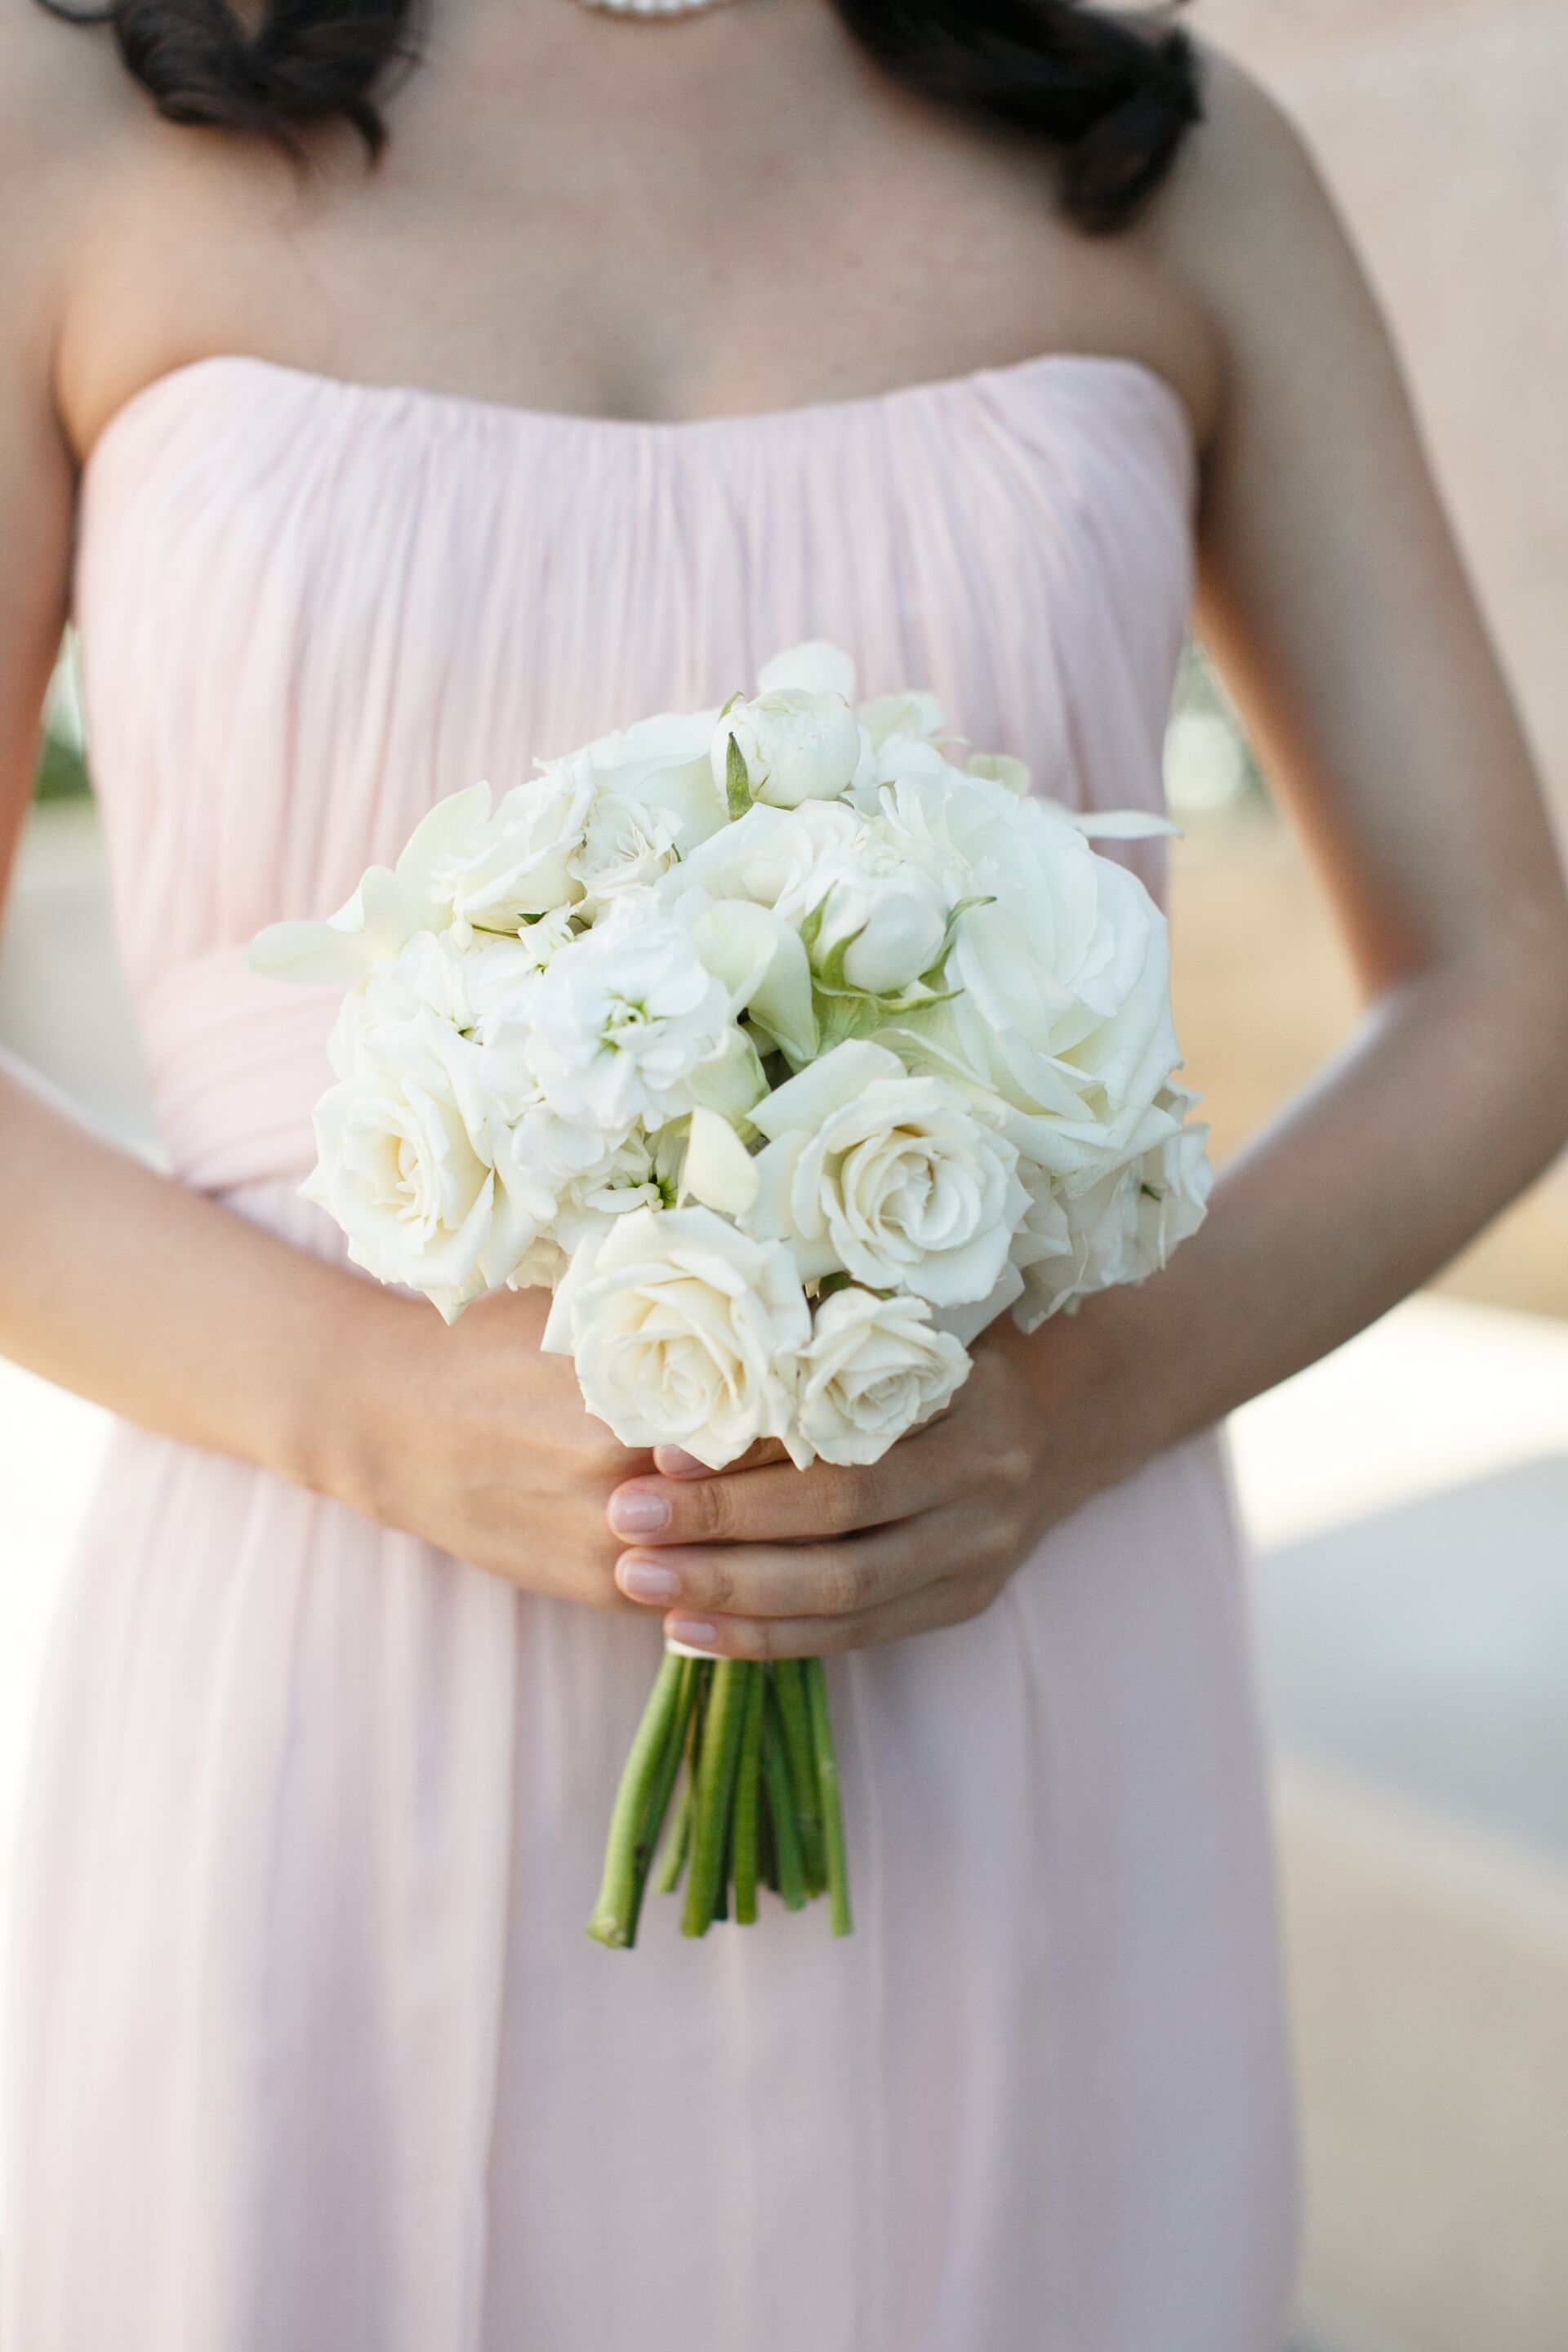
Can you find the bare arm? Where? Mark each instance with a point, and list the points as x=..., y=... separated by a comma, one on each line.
x=1333, y=596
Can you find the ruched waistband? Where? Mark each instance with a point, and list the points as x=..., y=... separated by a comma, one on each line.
x=238, y=1065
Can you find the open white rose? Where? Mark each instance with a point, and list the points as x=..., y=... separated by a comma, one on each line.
x=875, y=1369
x=1122, y=1227
x=518, y=865
x=619, y=1021
x=684, y=1332
x=625, y=846
x=885, y=1177
x=413, y=1167
x=662, y=765
x=795, y=745
x=1064, y=974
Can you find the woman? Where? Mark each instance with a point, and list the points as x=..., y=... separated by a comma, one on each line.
x=915, y=325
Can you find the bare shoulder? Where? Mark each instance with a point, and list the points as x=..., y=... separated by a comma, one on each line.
x=1247, y=223
x=68, y=112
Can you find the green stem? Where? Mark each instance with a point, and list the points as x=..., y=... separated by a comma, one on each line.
x=715, y=1788
x=828, y=1785
x=794, y=1714
x=614, y=1913
x=781, y=1805
x=672, y=1854
x=748, y=1802
x=663, y=1785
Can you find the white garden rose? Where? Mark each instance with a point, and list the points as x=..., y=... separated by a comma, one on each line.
x=413, y=1166
x=625, y=846
x=885, y=1177
x=684, y=1332
x=875, y=1369
x=1122, y=1227
x=768, y=856
x=662, y=765
x=518, y=864
x=620, y=1020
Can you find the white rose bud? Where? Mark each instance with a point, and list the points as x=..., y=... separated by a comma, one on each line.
x=794, y=746
x=876, y=1369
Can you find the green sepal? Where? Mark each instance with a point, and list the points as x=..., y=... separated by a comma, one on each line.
x=737, y=781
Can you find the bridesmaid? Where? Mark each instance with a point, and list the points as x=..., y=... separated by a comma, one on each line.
x=396, y=393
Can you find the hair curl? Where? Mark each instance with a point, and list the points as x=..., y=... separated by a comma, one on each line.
x=1113, y=93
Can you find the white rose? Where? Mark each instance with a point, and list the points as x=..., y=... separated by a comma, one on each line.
x=879, y=920
x=887, y=1178
x=518, y=864
x=768, y=856
x=684, y=1332
x=415, y=1168
x=617, y=1025
x=795, y=745
x=875, y=1369
x=1063, y=1007
x=909, y=717
x=663, y=766
x=1122, y=1227
x=625, y=846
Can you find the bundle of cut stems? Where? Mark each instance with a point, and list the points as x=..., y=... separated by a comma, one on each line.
x=746, y=1753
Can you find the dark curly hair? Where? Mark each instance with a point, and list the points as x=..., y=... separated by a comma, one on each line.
x=1113, y=93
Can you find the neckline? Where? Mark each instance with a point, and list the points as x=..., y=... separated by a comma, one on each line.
x=932, y=392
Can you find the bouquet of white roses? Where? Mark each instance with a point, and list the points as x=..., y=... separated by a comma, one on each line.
x=789, y=1046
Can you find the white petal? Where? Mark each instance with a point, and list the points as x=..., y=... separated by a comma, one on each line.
x=819, y=668
x=720, y=1172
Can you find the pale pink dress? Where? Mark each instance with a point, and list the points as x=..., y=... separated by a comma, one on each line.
x=308, y=2049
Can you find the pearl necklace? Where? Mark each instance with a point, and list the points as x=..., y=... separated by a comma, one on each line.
x=652, y=7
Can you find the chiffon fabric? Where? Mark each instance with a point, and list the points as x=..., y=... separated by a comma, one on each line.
x=308, y=2050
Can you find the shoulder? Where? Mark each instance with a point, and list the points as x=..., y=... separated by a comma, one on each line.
x=1245, y=203
x=67, y=113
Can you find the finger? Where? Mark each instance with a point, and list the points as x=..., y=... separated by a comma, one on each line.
x=676, y=1462
x=799, y=1580
x=784, y=1504
x=948, y=1601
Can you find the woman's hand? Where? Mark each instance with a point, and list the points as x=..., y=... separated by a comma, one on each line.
x=765, y=1560
x=471, y=1438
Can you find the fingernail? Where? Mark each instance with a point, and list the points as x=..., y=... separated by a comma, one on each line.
x=647, y=1580
x=675, y=1462
x=640, y=1513
x=692, y=1637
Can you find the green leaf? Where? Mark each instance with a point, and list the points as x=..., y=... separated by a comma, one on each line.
x=737, y=780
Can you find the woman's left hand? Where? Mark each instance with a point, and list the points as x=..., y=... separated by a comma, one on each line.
x=764, y=1560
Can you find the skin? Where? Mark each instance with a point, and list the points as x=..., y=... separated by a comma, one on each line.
x=510, y=247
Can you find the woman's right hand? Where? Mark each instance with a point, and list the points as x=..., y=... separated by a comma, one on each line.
x=471, y=1437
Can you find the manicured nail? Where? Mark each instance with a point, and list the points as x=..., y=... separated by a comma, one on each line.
x=692, y=1637
x=675, y=1462
x=646, y=1580
x=639, y=1512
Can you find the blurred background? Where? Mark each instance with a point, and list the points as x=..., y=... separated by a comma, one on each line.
x=1408, y=1498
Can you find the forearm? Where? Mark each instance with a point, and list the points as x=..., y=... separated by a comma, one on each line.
x=128, y=1288
x=1452, y=1096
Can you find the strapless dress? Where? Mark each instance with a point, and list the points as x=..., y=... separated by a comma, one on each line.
x=308, y=2050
